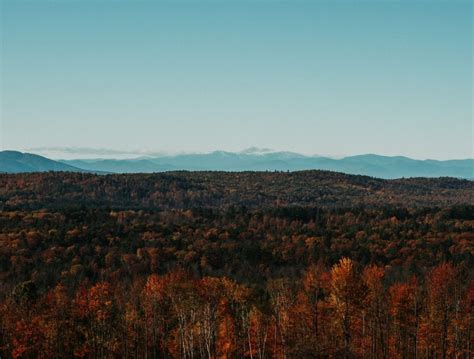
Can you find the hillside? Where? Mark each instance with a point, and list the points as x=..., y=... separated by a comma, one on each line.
x=181, y=190
x=18, y=162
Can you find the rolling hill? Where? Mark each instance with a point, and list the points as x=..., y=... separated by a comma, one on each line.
x=18, y=162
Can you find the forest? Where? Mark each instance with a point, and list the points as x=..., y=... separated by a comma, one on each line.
x=310, y=264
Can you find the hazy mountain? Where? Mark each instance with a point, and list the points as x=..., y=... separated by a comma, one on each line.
x=120, y=166
x=266, y=160
x=16, y=162
x=249, y=160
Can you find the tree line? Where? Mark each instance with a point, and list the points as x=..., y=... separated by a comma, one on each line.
x=346, y=311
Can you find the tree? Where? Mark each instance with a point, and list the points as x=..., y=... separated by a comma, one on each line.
x=442, y=295
x=405, y=308
x=375, y=319
x=95, y=311
x=347, y=295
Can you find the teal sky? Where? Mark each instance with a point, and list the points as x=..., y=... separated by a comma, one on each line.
x=333, y=78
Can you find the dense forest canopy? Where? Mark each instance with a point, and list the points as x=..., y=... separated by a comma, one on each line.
x=227, y=265
x=184, y=190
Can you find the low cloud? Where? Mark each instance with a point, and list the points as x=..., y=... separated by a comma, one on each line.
x=89, y=152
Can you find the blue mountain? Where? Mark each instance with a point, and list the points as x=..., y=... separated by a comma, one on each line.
x=17, y=162
x=369, y=164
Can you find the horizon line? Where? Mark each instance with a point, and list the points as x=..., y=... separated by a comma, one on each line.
x=93, y=153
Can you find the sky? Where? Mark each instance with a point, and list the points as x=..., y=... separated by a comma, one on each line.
x=315, y=77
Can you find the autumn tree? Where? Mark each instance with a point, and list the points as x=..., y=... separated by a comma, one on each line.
x=441, y=301
x=347, y=295
x=94, y=310
x=375, y=321
x=405, y=310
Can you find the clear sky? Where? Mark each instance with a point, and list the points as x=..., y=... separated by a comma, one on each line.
x=334, y=78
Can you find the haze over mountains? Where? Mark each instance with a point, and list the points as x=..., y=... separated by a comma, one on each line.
x=249, y=160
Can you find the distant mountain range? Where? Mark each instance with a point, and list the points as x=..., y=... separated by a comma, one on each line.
x=370, y=164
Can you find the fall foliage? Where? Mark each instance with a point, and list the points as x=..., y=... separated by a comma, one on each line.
x=235, y=265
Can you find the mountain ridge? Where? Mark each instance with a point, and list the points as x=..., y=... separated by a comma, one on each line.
x=19, y=162
x=373, y=165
